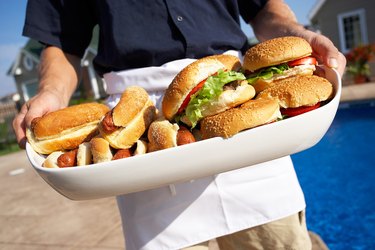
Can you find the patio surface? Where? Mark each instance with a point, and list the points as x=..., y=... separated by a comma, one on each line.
x=33, y=216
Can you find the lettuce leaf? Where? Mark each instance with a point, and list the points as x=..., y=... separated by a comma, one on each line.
x=211, y=90
x=267, y=73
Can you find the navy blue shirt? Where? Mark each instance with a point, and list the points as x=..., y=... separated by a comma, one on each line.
x=140, y=33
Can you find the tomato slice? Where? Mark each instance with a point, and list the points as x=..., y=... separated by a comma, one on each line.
x=188, y=97
x=309, y=60
x=299, y=110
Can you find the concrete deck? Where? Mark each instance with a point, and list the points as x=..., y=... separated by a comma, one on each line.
x=35, y=217
x=358, y=92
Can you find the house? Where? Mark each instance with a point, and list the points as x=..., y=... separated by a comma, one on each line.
x=347, y=23
x=8, y=109
x=25, y=72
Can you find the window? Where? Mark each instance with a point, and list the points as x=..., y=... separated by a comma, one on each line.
x=28, y=62
x=30, y=88
x=352, y=29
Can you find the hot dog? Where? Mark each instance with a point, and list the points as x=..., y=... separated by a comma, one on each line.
x=68, y=159
x=162, y=135
x=122, y=153
x=108, y=124
x=101, y=150
x=129, y=119
x=184, y=136
x=65, y=129
x=138, y=148
x=80, y=156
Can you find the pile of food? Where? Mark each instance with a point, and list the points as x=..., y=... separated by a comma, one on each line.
x=214, y=96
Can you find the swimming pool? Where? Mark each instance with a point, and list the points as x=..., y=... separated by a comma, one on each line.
x=338, y=179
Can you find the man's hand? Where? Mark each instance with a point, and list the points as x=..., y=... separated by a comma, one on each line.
x=42, y=103
x=276, y=19
x=59, y=74
x=325, y=51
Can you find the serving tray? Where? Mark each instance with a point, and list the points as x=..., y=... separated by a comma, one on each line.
x=192, y=161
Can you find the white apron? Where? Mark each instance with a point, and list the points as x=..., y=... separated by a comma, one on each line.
x=184, y=214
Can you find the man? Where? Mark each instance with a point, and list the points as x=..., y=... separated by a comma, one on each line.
x=260, y=207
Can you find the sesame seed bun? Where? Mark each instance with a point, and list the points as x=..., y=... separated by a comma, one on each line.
x=251, y=114
x=298, y=91
x=275, y=51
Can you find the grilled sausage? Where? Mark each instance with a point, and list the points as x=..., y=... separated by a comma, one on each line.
x=122, y=153
x=107, y=123
x=184, y=136
x=68, y=159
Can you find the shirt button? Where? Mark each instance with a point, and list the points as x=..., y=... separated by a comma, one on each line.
x=180, y=18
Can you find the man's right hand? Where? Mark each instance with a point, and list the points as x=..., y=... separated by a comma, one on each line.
x=42, y=103
x=59, y=75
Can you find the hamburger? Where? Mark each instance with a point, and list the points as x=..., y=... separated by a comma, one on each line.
x=251, y=114
x=129, y=119
x=204, y=88
x=65, y=129
x=299, y=94
x=276, y=59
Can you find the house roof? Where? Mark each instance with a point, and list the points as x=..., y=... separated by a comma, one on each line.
x=33, y=47
x=316, y=9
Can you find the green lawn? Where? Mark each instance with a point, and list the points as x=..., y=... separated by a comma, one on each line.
x=6, y=149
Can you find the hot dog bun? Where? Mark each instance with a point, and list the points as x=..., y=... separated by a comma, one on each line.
x=84, y=155
x=83, y=158
x=193, y=75
x=100, y=149
x=141, y=147
x=250, y=114
x=51, y=160
x=65, y=129
x=132, y=116
x=298, y=91
x=161, y=135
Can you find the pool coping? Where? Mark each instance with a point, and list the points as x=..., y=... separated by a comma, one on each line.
x=356, y=92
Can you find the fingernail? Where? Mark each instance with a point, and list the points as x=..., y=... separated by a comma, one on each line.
x=332, y=62
x=22, y=143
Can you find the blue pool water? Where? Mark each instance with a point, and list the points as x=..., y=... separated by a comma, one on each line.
x=338, y=179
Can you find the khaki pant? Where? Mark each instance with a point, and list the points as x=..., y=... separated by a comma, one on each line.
x=288, y=234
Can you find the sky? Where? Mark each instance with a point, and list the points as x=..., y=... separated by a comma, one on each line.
x=12, y=17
